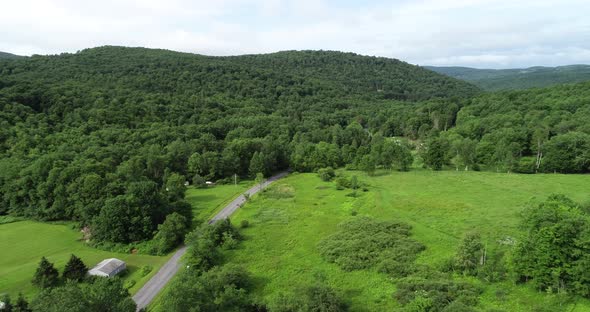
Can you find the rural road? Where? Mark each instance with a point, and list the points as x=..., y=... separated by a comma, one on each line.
x=149, y=291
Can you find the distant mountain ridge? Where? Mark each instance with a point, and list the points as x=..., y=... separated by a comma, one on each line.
x=517, y=78
x=6, y=55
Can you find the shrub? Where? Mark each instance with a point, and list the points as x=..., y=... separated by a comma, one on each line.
x=395, y=268
x=128, y=284
x=363, y=242
x=342, y=183
x=326, y=174
x=145, y=270
x=280, y=191
x=443, y=293
x=244, y=224
x=318, y=297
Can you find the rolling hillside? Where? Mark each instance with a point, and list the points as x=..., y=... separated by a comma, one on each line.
x=513, y=79
x=5, y=55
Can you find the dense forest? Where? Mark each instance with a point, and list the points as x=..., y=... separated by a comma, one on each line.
x=5, y=55
x=109, y=136
x=518, y=78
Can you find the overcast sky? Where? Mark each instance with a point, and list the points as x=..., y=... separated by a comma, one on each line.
x=477, y=33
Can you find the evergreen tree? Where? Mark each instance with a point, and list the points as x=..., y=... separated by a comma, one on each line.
x=46, y=274
x=21, y=304
x=75, y=269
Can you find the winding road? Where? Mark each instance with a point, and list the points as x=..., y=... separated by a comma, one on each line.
x=149, y=291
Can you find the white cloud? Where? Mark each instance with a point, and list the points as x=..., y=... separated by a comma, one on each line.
x=485, y=33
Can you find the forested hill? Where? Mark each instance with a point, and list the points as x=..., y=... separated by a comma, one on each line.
x=5, y=55
x=259, y=76
x=512, y=79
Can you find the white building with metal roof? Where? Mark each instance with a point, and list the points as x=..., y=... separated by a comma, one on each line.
x=108, y=268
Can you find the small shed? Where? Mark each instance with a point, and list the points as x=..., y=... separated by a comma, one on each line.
x=108, y=268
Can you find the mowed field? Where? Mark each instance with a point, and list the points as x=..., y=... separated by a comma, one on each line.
x=24, y=243
x=288, y=221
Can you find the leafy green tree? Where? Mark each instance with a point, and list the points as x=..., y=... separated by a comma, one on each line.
x=175, y=188
x=403, y=157
x=223, y=288
x=170, y=233
x=470, y=253
x=435, y=153
x=259, y=179
x=555, y=252
x=367, y=164
x=257, y=164
x=568, y=153
x=46, y=275
x=103, y=294
x=75, y=269
x=198, y=181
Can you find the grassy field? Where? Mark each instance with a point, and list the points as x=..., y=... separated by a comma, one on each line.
x=289, y=219
x=24, y=243
x=207, y=202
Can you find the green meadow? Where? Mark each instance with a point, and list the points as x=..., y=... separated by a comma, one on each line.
x=206, y=202
x=24, y=243
x=289, y=219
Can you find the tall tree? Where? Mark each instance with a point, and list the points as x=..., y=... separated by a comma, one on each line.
x=435, y=153
x=46, y=274
x=75, y=269
x=257, y=164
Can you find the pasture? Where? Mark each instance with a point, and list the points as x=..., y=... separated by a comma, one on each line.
x=289, y=219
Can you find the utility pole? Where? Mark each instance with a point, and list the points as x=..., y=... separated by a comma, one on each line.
x=235, y=179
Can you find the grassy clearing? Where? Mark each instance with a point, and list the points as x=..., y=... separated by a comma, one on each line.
x=289, y=220
x=24, y=243
x=208, y=201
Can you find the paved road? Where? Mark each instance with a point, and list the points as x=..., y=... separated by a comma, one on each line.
x=149, y=291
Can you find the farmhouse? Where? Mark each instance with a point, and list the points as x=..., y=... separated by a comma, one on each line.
x=108, y=268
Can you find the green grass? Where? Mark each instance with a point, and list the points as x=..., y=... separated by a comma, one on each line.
x=280, y=249
x=208, y=201
x=24, y=243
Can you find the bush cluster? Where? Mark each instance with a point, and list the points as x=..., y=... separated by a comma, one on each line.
x=364, y=243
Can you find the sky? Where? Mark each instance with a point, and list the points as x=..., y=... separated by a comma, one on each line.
x=474, y=33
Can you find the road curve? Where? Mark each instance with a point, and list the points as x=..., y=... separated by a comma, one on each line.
x=149, y=291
